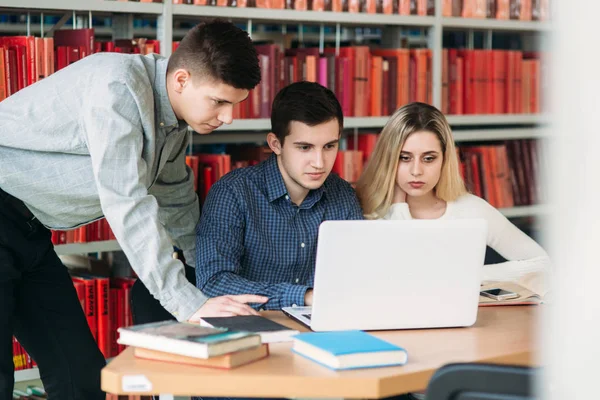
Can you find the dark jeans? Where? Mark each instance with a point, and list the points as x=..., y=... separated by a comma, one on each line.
x=39, y=306
x=145, y=308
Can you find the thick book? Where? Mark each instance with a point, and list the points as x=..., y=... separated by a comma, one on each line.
x=348, y=350
x=269, y=331
x=226, y=361
x=187, y=339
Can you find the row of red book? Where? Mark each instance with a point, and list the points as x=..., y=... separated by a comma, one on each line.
x=25, y=60
x=367, y=82
x=107, y=306
x=504, y=174
x=524, y=10
x=92, y=232
x=492, y=82
x=401, y=7
x=21, y=359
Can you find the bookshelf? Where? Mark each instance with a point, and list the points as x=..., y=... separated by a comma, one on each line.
x=460, y=136
x=84, y=5
x=264, y=124
x=495, y=24
x=90, y=247
x=112, y=245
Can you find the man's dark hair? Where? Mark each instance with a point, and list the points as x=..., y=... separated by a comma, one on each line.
x=306, y=102
x=220, y=51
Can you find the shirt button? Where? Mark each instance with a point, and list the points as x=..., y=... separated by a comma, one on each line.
x=294, y=305
x=297, y=280
x=287, y=197
x=162, y=124
x=302, y=245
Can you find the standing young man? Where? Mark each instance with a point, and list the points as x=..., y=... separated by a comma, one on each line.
x=259, y=225
x=106, y=136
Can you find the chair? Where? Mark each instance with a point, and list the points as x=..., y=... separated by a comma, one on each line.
x=470, y=381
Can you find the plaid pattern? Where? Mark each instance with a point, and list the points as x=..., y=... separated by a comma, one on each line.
x=100, y=138
x=253, y=239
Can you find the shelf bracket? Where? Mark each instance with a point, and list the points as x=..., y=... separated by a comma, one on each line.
x=58, y=25
x=122, y=25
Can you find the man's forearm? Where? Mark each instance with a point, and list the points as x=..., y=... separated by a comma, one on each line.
x=279, y=294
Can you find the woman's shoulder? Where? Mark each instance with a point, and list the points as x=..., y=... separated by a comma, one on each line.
x=471, y=204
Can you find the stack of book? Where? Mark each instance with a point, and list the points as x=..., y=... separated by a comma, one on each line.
x=186, y=343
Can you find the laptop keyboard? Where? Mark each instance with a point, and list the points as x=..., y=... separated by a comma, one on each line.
x=306, y=316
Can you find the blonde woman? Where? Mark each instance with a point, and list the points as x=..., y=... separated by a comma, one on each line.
x=413, y=174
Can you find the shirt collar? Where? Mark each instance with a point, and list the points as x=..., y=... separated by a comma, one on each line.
x=164, y=108
x=273, y=179
x=276, y=186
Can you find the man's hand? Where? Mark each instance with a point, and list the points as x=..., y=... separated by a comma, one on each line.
x=308, y=297
x=399, y=195
x=228, y=306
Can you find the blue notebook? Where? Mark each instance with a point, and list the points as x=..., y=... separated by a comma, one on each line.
x=348, y=350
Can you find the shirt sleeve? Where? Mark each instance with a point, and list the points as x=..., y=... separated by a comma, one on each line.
x=220, y=248
x=115, y=141
x=525, y=258
x=355, y=210
x=178, y=210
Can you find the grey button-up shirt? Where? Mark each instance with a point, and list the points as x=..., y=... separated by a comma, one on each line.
x=100, y=138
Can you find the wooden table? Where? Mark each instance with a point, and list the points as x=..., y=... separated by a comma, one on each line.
x=504, y=335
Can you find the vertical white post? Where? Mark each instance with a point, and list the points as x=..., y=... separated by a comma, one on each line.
x=164, y=31
x=571, y=329
x=489, y=35
x=249, y=28
x=337, y=39
x=322, y=39
x=435, y=44
x=122, y=26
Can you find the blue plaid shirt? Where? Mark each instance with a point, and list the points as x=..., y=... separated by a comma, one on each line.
x=252, y=239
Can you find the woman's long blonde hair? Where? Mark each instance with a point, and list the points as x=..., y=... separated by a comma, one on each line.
x=375, y=188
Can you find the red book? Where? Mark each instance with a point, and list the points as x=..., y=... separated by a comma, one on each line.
x=402, y=73
x=103, y=315
x=376, y=72
x=76, y=38
x=90, y=303
x=26, y=58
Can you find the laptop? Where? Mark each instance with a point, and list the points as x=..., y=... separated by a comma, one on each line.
x=412, y=274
